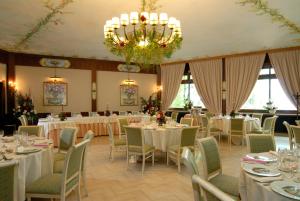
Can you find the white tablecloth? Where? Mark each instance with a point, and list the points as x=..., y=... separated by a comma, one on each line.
x=30, y=168
x=223, y=123
x=250, y=190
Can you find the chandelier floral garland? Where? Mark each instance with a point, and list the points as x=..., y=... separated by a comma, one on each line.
x=147, y=38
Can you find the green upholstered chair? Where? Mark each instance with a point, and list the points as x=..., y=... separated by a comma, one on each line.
x=174, y=116
x=258, y=116
x=186, y=121
x=297, y=122
x=67, y=139
x=31, y=130
x=290, y=135
x=190, y=161
x=209, y=191
x=268, y=126
x=208, y=129
x=58, y=186
x=23, y=120
x=136, y=145
x=296, y=133
x=118, y=145
x=212, y=168
x=258, y=143
x=187, y=139
x=122, y=113
x=236, y=129
x=121, y=123
x=8, y=176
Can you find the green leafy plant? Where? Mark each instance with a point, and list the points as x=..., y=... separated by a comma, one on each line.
x=188, y=104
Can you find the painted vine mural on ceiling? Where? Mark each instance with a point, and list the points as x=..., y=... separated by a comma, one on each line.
x=53, y=16
x=261, y=7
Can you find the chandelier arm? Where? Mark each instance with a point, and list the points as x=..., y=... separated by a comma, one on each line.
x=134, y=33
x=125, y=34
x=117, y=35
x=145, y=32
x=154, y=33
x=163, y=33
x=170, y=36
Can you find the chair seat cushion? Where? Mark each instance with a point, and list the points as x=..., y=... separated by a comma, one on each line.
x=59, y=156
x=49, y=184
x=147, y=148
x=58, y=166
x=227, y=184
x=120, y=142
x=215, y=130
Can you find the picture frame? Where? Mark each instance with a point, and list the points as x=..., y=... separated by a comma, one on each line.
x=55, y=93
x=128, y=95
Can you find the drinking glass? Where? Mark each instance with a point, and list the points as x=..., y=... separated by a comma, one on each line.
x=290, y=164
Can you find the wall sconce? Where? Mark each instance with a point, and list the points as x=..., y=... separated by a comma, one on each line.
x=12, y=84
x=159, y=88
x=94, y=91
x=129, y=82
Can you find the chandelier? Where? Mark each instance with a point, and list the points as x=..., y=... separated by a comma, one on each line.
x=144, y=37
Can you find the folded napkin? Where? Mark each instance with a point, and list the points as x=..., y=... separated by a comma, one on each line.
x=248, y=159
x=266, y=179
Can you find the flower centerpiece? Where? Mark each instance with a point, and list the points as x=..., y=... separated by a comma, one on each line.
x=150, y=106
x=62, y=114
x=188, y=104
x=160, y=117
x=25, y=107
x=270, y=107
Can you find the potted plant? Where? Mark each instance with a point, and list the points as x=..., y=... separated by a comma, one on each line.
x=270, y=107
x=160, y=117
x=188, y=104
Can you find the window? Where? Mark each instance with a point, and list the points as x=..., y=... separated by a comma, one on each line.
x=266, y=88
x=187, y=90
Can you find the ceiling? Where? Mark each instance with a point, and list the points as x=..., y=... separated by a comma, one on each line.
x=210, y=27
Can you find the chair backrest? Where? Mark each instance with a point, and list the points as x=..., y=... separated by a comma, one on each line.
x=258, y=116
x=101, y=113
x=110, y=134
x=84, y=114
x=122, y=113
x=121, y=123
x=67, y=138
x=88, y=136
x=236, y=126
x=186, y=121
x=72, y=167
x=190, y=161
x=210, y=192
x=296, y=133
x=269, y=124
x=174, y=116
x=258, y=143
x=135, y=112
x=204, y=121
x=290, y=134
x=8, y=176
x=31, y=130
x=23, y=120
x=134, y=137
x=297, y=122
x=210, y=157
x=188, y=136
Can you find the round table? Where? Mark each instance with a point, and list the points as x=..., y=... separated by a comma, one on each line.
x=30, y=166
x=251, y=190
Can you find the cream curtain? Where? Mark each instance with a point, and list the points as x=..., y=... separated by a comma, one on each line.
x=171, y=76
x=287, y=68
x=241, y=75
x=207, y=77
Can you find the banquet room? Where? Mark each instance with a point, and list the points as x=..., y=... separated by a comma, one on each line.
x=149, y=100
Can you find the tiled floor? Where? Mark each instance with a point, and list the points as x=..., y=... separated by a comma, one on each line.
x=112, y=181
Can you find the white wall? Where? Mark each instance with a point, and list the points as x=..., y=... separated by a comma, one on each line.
x=79, y=87
x=108, y=89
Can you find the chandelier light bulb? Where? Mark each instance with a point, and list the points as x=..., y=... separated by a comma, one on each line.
x=172, y=22
x=115, y=22
x=134, y=18
x=163, y=18
x=153, y=18
x=124, y=19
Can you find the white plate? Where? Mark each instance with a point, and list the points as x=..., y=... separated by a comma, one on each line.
x=260, y=170
x=261, y=157
x=283, y=187
x=28, y=151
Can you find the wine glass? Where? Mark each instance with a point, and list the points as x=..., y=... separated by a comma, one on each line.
x=290, y=164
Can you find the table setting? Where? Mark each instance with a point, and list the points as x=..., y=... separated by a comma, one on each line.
x=270, y=176
x=33, y=155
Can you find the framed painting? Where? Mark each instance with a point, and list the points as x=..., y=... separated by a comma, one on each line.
x=128, y=95
x=55, y=93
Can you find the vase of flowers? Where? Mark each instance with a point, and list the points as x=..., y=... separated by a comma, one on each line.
x=188, y=104
x=270, y=107
x=160, y=118
x=25, y=107
x=150, y=106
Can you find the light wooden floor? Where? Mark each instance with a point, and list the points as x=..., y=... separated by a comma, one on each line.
x=112, y=181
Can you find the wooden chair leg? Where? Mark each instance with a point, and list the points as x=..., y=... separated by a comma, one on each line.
x=127, y=159
x=178, y=162
x=153, y=158
x=167, y=158
x=143, y=166
x=84, y=183
x=78, y=193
